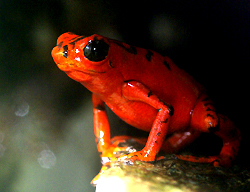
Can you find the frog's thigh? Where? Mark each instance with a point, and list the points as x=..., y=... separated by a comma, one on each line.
x=204, y=117
x=179, y=140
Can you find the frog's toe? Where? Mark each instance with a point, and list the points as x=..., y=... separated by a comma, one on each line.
x=137, y=156
x=223, y=161
x=195, y=159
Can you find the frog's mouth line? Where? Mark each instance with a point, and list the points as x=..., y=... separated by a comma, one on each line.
x=84, y=70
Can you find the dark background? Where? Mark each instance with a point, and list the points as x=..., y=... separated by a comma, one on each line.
x=42, y=109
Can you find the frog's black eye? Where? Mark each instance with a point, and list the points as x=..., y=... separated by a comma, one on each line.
x=96, y=50
x=65, y=54
x=65, y=51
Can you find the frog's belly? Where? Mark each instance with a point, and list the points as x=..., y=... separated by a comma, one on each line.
x=137, y=114
x=142, y=116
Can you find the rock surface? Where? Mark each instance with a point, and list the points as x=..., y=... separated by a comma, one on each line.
x=171, y=174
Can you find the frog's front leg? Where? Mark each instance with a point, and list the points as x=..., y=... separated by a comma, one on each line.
x=105, y=147
x=101, y=124
x=136, y=91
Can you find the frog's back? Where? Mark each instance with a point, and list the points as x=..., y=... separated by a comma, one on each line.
x=155, y=71
x=170, y=83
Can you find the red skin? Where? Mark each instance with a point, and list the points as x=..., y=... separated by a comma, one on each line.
x=149, y=92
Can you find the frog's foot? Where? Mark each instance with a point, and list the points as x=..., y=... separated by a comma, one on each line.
x=136, y=156
x=217, y=161
x=112, y=153
x=124, y=140
x=121, y=145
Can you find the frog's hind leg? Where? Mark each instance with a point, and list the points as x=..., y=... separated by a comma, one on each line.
x=178, y=141
x=205, y=119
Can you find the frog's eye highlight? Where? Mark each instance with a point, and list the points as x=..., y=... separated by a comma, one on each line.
x=96, y=50
x=65, y=51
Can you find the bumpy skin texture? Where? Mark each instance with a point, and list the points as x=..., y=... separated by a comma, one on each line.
x=149, y=92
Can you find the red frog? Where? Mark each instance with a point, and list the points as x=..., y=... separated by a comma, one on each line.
x=148, y=91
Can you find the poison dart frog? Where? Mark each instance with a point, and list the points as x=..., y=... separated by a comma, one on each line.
x=148, y=91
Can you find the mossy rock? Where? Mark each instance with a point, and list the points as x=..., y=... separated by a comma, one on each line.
x=171, y=174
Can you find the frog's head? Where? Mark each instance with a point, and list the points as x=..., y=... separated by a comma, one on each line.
x=81, y=58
